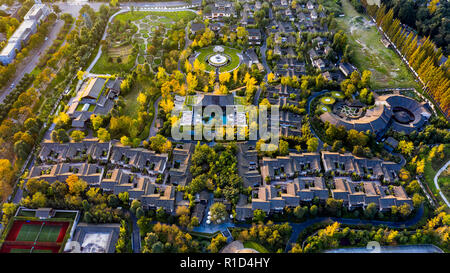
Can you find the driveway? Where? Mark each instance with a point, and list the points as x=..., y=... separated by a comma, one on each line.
x=135, y=236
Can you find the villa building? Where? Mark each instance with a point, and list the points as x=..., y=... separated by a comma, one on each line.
x=96, y=96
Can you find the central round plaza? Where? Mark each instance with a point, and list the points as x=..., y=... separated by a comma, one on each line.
x=224, y=58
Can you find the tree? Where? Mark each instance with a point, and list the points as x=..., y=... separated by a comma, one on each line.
x=22, y=149
x=270, y=77
x=333, y=206
x=371, y=210
x=192, y=81
x=113, y=3
x=313, y=144
x=217, y=243
x=135, y=204
x=141, y=99
x=76, y=185
x=218, y=212
x=365, y=78
x=182, y=210
x=417, y=200
x=160, y=144
x=103, y=135
x=313, y=210
x=406, y=147
x=97, y=121
x=62, y=120
x=113, y=201
x=77, y=135
x=39, y=200
x=300, y=212
x=259, y=215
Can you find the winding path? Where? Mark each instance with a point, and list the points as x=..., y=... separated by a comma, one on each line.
x=153, y=130
x=437, y=184
x=298, y=228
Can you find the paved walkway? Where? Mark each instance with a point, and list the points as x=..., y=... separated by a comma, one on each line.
x=297, y=228
x=436, y=177
x=153, y=130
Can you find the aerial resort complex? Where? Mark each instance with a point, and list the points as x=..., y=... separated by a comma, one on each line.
x=228, y=126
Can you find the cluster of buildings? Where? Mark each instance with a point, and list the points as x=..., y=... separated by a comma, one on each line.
x=96, y=96
x=289, y=181
x=225, y=9
x=22, y=34
x=401, y=113
x=116, y=168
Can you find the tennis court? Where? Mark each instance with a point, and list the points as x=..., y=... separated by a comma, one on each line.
x=35, y=236
x=40, y=232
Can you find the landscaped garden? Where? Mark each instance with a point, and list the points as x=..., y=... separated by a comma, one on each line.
x=328, y=100
x=231, y=53
x=337, y=94
x=129, y=36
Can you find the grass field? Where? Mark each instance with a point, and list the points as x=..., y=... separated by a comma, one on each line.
x=430, y=171
x=103, y=66
x=370, y=54
x=444, y=182
x=137, y=15
x=232, y=52
x=255, y=246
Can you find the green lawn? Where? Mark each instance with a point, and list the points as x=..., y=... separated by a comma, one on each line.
x=173, y=16
x=328, y=100
x=444, y=184
x=370, y=54
x=103, y=66
x=131, y=104
x=430, y=171
x=255, y=246
x=232, y=52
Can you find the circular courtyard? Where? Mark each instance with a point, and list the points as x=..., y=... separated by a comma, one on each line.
x=328, y=100
x=225, y=58
x=324, y=108
x=337, y=94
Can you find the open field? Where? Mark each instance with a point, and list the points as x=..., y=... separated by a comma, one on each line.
x=370, y=54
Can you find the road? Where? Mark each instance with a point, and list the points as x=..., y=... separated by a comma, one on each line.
x=437, y=185
x=135, y=236
x=298, y=228
x=32, y=60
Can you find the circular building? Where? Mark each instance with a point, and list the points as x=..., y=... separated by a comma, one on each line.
x=401, y=112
